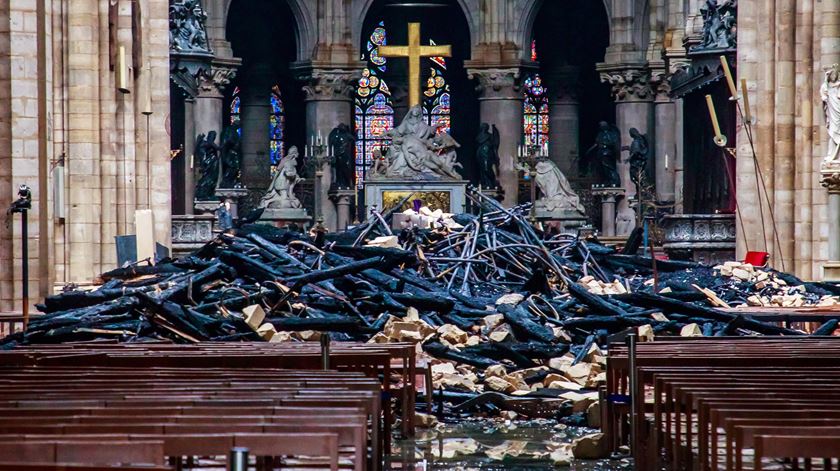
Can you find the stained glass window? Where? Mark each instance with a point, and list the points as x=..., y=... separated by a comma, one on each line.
x=235, y=110
x=276, y=121
x=374, y=110
x=276, y=125
x=374, y=113
x=535, y=116
x=436, y=96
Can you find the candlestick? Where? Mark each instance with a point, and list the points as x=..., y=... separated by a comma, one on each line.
x=720, y=139
x=746, y=95
x=729, y=80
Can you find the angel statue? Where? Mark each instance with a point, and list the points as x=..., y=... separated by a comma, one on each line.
x=830, y=94
x=487, y=156
x=281, y=192
x=207, y=156
x=606, y=152
x=639, y=150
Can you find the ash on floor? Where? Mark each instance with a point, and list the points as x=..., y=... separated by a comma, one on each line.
x=487, y=444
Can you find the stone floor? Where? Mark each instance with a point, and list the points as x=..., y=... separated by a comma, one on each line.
x=495, y=445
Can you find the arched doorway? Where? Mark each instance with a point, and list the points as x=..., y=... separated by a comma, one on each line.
x=564, y=96
x=449, y=99
x=263, y=34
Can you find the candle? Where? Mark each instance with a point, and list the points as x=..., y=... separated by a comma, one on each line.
x=729, y=81
x=312, y=139
x=666, y=161
x=320, y=140
x=746, y=95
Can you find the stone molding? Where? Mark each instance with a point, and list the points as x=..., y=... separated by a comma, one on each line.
x=830, y=179
x=660, y=81
x=329, y=84
x=211, y=83
x=497, y=82
x=629, y=84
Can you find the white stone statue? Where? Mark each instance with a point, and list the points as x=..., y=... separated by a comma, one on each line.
x=625, y=222
x=281, y=192
x=417, y=152
x=557, y=193
x=830, y=93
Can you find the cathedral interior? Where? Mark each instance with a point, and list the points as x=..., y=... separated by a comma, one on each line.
x=509, y=187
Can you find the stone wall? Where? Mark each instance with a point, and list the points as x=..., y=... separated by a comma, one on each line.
x=81, y=117
x=783, y=47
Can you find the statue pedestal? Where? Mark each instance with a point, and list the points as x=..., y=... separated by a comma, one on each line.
x=232, y=194
x=567, y=221
x=609, y=196
x=446, y=195
x=283, y=217
x=205, y=206
x=343, y=198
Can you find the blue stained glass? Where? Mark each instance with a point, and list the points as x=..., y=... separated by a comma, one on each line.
x=535, y=107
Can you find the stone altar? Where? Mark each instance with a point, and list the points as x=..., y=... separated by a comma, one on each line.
x=421, y=161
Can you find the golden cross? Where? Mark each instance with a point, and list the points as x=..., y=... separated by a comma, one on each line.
x=414, y=51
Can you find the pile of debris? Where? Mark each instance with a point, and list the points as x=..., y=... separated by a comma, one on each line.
x=507, y=313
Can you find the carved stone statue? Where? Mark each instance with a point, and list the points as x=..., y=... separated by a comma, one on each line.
x=639, y=150
x=379, y=164
x=625, y=221
x=557, y=193
x=343, y=143
x=606, y=153
x=231, y=159
x=207, y=155
x=418, y=153
x=719, y=25
x=187, y=31
x=487, y=156
x=830, y=93
x=281, y=192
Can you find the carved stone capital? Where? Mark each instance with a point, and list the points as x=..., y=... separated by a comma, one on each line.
x=830, y=178
x=497, y=83
x=660, y=82
x=211, y=83
x=329, y=84
x=629, y=84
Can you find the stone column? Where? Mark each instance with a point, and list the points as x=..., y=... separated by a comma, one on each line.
x=665, y=144
x=500, y=102
x=207, y=114
x=831, y=181
x=329, y=102
x=563, y=117
x=254, y=115
x=633, y=95
x=189, y=151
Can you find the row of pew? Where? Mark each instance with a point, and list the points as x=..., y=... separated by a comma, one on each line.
x=725, y=403
x=153, y=404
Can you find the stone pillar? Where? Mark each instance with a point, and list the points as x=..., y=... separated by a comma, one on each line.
x=665, y=144
x=189, y=151
x=831, y=180
x=563, y=117
x=343, y=199
x=633, y=95
x=329, y=102
x=500, y=102
x=254, y=117
x=204, y=116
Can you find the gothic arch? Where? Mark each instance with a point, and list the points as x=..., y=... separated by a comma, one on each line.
x=306, y=31
x=360, y=10
x=531, y=9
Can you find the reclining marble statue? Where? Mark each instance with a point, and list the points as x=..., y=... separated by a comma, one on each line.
x=418, y=152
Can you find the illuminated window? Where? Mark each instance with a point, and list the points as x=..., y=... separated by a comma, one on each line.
x=535, y=116
x=276, y=121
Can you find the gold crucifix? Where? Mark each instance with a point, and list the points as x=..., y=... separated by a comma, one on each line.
x=413, y=52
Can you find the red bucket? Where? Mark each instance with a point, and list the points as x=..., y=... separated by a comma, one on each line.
x=757, y=259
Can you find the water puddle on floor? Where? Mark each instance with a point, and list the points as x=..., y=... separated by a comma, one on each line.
x=485, y=444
